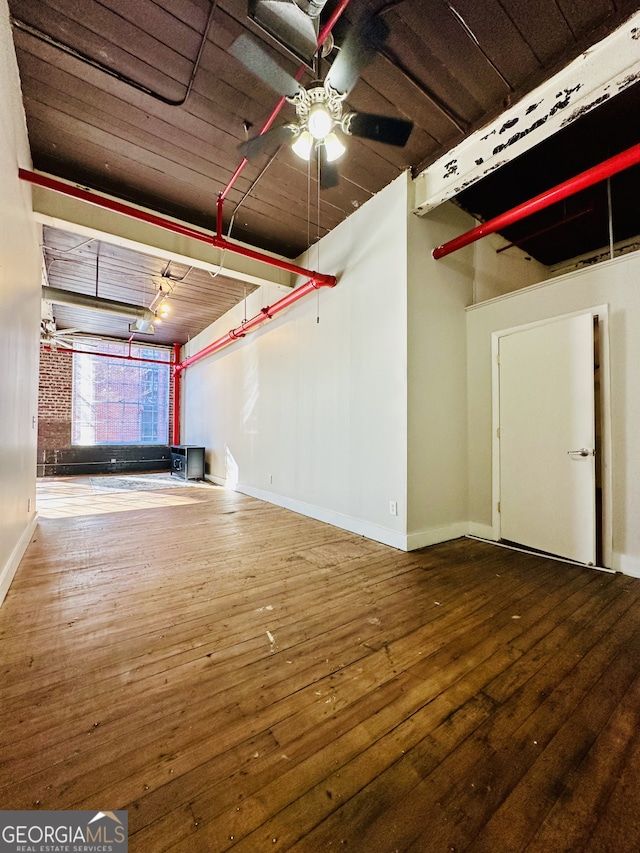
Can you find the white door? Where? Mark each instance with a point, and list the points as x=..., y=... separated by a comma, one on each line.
x=547, y=438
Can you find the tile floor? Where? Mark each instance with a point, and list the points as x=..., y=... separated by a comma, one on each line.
x=63, y=497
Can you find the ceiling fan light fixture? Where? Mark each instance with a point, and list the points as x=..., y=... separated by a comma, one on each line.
x=334, y=148
x=303, y=145
x=320, y=122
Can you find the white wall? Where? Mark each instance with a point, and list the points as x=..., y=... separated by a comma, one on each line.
x=340, y=418
x=438, y=292
x=20, y=265
x=368, y=407
x=616, y=284
x=313, y=415
x=496, y=274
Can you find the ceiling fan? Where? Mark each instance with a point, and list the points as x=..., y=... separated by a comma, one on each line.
x=322, y=122
x=54, y=337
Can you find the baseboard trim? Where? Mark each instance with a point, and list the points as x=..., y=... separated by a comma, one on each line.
x=345, y=522
x=413, y=541
x=11, y=567
x=217, y=481
x=482, y=531
x=393, y=538
x=434, y=535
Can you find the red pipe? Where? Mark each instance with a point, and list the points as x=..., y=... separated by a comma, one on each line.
x=219, y=204
x=175, y=376
x=322, y=37
x=103, y=354
x=321, y=278
x=216, y=240
x=248, y=325
x=333, y=19
x=265, y=127
x=612, y=166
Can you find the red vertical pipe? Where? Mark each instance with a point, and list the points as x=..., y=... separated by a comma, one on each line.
x=219, y=204
x=265, y=127
x=585, y=179
x=175, y=374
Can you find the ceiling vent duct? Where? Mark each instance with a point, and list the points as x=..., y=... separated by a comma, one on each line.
x=294, y=24
x=143, y=317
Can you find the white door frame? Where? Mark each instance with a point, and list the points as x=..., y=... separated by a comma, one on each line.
x=602, y=312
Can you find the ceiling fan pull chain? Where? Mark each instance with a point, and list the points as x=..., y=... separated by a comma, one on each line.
x=318, y=241
x=308, y=203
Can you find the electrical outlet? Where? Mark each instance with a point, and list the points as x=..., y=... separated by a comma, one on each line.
x=393, y=507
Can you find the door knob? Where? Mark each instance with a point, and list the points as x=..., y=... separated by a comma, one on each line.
x=584, y=451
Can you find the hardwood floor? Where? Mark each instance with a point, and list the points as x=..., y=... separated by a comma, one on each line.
x=239, y=677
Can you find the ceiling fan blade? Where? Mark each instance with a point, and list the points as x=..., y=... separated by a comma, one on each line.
x=356, y=53
x=392, y=131
x=58, y=342
x=329, y=176
x=269, y=141
x=260, y=63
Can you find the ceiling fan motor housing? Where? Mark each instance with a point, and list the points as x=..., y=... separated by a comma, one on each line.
x=317, y=95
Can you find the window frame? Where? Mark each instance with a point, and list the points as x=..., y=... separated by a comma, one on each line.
x=120, y=394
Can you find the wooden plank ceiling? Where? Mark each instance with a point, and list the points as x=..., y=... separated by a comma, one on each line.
x=94, y=268
x=143, y=100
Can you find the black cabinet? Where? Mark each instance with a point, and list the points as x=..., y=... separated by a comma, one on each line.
x=187, y=461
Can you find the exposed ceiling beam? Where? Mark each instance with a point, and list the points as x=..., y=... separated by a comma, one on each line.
x=595, y=76
x=69, y=214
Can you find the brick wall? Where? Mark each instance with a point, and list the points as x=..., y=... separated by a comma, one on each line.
x=54, y=400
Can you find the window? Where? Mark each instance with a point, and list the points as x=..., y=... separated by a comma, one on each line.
x=116, y=401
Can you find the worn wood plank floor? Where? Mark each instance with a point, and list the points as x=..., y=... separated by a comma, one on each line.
x=242, y=678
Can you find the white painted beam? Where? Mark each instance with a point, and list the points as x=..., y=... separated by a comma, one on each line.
x=87, y=220
x=595, y=76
